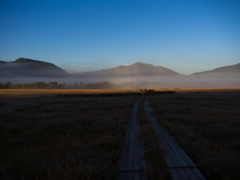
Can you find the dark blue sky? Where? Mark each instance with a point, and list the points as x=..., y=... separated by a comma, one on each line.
x=185, y=36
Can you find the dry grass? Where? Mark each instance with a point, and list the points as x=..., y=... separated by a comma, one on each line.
x=156, y=165
x=207, y=126
x=43, y=136
x=52, y=92
x=199, y=89
x=62, y=138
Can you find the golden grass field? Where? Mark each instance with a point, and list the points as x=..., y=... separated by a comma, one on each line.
x=52, y=92
x=47, y=92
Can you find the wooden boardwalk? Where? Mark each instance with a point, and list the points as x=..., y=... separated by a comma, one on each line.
x=180, y=165
x=132, y=165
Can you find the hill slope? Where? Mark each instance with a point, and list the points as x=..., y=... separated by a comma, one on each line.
x=233, y=70
x=137, y=69
x=29, y=67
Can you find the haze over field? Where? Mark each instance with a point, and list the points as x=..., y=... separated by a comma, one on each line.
x=137, y=75
x=179, y=43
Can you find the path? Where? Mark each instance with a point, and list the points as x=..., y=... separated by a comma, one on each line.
x=179, y=164
x=132, y=165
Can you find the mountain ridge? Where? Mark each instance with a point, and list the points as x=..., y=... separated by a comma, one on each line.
x=224, y=70
x=136, y=69
x=30, y=67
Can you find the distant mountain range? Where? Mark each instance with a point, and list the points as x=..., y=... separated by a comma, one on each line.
x=225, y=70
x=137, y=69
x=34, y=68
x=29, y=67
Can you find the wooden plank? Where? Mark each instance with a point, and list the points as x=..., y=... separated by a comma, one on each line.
x=130, y=154
x=135, y=175
x=176, y=148
x=189, y=173
x=179, y=157
x=186, y=174
x=126, y=175
x=182, y=173
x=125, y=152
x=175, y=174
x=172, y=159
x=142, y=160
x=165, y=141
x=198, y=174
x=180, y=165
x=185, y=157
x=133, y=165
x=132, y=140
x=167, y=157
x=136, y=159
x=171, y=144
x=125, y=156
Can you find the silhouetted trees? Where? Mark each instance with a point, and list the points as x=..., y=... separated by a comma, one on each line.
x=55, y=85
x=1, y=86
x=8, y=85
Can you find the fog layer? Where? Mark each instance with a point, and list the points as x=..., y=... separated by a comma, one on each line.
x=140, y=81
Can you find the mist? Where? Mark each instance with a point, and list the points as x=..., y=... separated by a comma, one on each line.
x=139, y=81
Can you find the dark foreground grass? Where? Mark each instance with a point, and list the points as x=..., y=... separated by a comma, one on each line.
x=207, y=127
x=156, y=166
x=62, y=138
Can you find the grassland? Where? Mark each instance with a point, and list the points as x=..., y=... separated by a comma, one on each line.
x=46, y=136
x=62, y=138
x=53, y=92
x=156, y=166
x=207, y=127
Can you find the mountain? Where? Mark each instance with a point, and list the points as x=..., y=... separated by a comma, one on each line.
x=35, y=68
x=2, y=62
x=233, y=70
x=30, y=67
x=137, y=69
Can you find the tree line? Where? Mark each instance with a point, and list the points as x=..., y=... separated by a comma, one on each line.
x=55, y=85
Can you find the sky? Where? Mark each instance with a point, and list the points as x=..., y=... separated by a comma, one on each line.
x=88, y=35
